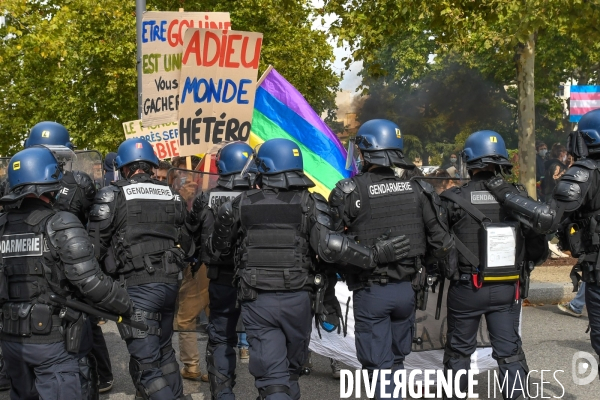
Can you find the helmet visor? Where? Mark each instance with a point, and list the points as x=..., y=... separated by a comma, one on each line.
x=249, y=162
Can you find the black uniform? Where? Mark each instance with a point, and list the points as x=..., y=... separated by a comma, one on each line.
x=138, y=225
x=278, y=233
x=378, y=203
x=48, y=252
x=576, y=200
x=493, y=292
x=224, y=313
x=76, y=194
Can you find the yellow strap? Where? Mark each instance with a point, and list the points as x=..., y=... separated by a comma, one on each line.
x=501, y=278
x=119, y=320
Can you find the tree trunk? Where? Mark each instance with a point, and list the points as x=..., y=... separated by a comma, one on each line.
x=525, y=83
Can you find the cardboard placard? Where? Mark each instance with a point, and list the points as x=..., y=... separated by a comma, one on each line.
x=162, y=45
x=217, y=87
x=164, y=138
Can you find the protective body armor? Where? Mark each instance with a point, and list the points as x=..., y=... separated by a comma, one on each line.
x=147, y=247
x=390, y=206
x=221, y=270
x=468, y=230
x=581, y=235
x=274, y=253
x=76, y=195
x=32, y=273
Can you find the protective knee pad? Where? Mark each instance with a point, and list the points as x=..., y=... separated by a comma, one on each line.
x=88, y=376
x=218, y=381
x=269, y=390
x=136, y=370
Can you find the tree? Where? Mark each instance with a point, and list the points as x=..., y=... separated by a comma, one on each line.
x=498, y=37
x=74, y=61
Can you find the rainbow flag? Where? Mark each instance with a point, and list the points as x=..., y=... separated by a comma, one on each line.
x=280, y=111
x=583, y=99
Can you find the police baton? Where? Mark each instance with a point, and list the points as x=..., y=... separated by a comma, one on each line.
x=440, y=298
x=79, y=306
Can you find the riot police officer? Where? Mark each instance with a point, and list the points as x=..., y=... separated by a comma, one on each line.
x=573, y=210
x=279, y=230
x=77, y=188
x=139, y=227
x=76, y=196
x=375, y=204
x=224, y=314
x=488, y=280
x=45, y=252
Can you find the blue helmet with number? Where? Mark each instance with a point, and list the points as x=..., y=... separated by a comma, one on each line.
x=279, y=155
x=135, y=150
x=483, y=148
x=49, y=133
x=232, y=158
x=32, y=171
x=380, y=143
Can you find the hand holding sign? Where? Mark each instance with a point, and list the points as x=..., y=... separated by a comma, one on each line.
x=218, y=84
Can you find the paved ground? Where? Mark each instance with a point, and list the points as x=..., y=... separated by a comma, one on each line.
x=550, y=341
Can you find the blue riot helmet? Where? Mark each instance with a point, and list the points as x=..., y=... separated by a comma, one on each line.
x=232, y=158
x=380, y=143
x=137, y=154
x=483, y=148
x=48, y=133
x=279, y=163
x=32, y=171
x=586, y=140
x=279, y=155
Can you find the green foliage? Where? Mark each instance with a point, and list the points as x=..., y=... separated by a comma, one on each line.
x=395, y=39
x=74, y=61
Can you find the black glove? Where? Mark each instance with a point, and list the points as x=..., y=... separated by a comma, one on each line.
x=499, y=188
x=391, y=250
x=194, y=215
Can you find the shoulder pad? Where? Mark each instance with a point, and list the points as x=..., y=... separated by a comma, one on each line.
x=567, y=191
x=577, y=174
x=63, y=220
x=586, y=163
x=321, y=203
x=427, y=187
x=107, y=194
x=37, y=216
x=346, y=185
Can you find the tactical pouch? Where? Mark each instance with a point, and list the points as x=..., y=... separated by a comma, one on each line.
x=246, y=293
x=170, y=263
x=450, y=265
x=3, y=286
x=212, y=273
x=74, y=333
x=419, y=279
x=17, y=319
x=574, y=237
x=41, y=319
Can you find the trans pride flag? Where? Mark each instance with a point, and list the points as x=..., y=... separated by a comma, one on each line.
x=583, y=100
x=280, y=111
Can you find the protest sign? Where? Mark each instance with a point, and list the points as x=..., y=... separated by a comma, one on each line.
x=162, y=43
x=218, y=85
x=164, y=138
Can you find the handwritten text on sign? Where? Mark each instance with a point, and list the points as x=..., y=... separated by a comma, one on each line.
x=164, y=138
x=162, y=45
x=218, y=85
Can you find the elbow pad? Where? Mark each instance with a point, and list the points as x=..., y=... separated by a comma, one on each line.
x=221, y=238
x=538, y=216
x=340, y=249
x=117, y=301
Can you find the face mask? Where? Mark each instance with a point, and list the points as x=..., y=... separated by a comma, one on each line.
x=563, y=159
x=543, y=152
x=453, y=160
